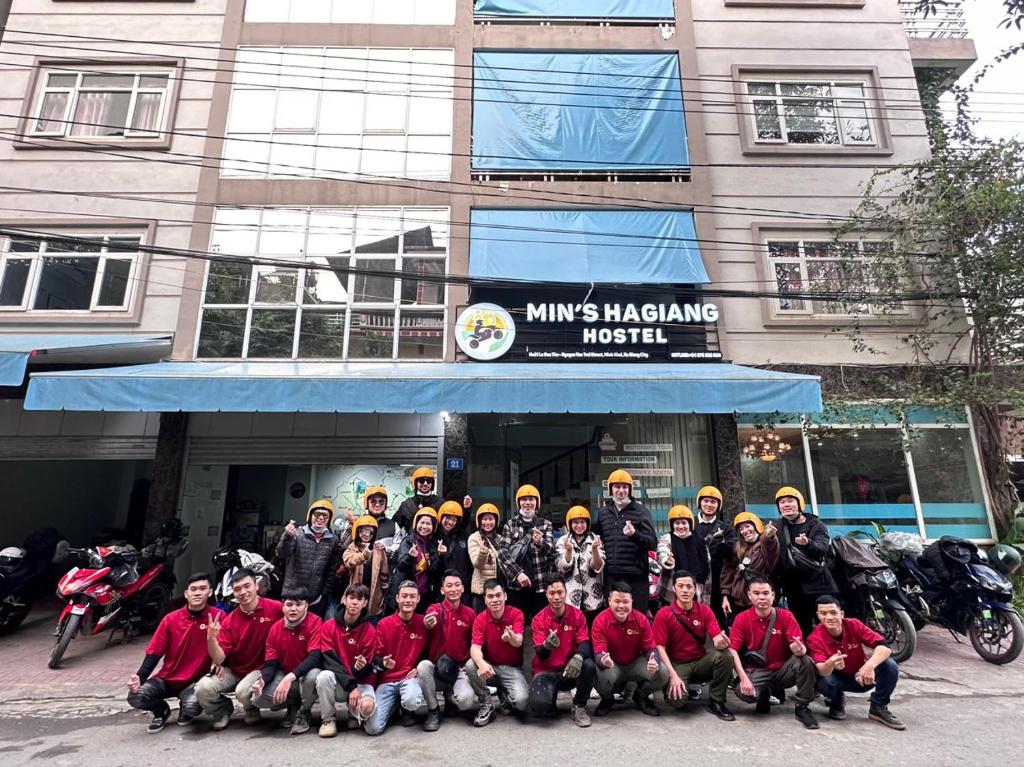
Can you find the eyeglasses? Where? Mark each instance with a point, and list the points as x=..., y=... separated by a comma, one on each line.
x=424, y=481
x=323, y=514
x=378, y=501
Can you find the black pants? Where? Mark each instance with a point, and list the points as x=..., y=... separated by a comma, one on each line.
x=152, y=696
x=639, y=587
x=803, y=606
x=716, y=595
x=545, y=687
x=529, y=601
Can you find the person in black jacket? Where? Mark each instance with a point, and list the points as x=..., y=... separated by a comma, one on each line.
x=719, y=537
x=423, y=482
x=312, y=555
x=451, y=542
x=417, y=560
x=627, y=532
x=681, y=549
x=803, y=544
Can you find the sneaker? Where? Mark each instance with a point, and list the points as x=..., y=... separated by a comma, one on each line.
x=504, y=706
x=301, y=723
x=433, y=721
x=837, y=708
x=158, y=723
x=764, y=705
x=646, y=704
x=289, y=715
x=186, y=717
x=252, y=716
x=806, y=718
x=408, y=718
x=883, y=715
x=484, y=715
x=721, y=711
x=693, y=693
x=222, y=718
x=604, y=707
x=580, y=717
x=328, y=729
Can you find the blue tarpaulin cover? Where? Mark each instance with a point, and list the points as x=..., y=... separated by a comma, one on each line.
x=589, y=9
x=410, y=387
x=578, y=111
x=15, y=349
x=600, y=246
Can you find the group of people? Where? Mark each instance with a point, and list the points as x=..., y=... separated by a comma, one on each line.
x=405, y=641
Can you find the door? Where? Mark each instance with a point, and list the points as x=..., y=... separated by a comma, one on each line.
x=202, y=509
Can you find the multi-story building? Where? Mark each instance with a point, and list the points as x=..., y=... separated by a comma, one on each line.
x=518, y=241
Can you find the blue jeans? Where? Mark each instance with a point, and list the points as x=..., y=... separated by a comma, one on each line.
x=838, y=682
x=407, y=692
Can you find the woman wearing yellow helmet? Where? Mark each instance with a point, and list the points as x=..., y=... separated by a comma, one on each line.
x=483, y=551
x=719, y=536
x=417, y=560
x=366, y=562
x=756, y=553
x=451, y=541
x=681, y=549
x=580, y=561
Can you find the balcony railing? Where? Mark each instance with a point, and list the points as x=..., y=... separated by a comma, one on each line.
x=947, y=21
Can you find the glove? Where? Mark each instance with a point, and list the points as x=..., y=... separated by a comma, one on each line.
x=552, y=642
x=573, y=667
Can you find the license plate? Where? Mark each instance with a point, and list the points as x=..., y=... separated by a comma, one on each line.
x=986, y=614
x=78, y=610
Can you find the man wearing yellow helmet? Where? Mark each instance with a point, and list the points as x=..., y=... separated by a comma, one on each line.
x=424, y=482
x=719, y=537
x=680, y=549
x=803, y=543
x=627, y=531
x=526, y=552
x=311, y=554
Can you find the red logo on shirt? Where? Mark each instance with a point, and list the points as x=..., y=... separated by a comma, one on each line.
x=566, y=628
x=351, y=640
x=414, y=635
x=459, y=622
x=631, y=632
x=202, y=626
x=262, y=619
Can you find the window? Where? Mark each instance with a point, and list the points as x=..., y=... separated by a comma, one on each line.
x=344, y=283
x=804, y=267
x=349, y=12
x=93, y=273
x=341, y=113
x=805, y=112
x=608, y=11
x=100, y=104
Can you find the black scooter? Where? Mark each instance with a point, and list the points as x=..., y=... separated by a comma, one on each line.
x=27, y=571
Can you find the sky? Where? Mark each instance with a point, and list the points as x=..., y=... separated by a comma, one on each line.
x=1000, y=101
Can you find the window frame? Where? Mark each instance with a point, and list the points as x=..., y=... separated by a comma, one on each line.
x=779, y=101
x=289, y=14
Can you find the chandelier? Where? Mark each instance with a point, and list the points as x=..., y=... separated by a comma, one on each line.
x=766, y=446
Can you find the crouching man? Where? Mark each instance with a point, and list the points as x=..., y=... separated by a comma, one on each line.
x=450, y=624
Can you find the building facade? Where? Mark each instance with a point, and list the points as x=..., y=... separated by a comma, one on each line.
x=328, y=218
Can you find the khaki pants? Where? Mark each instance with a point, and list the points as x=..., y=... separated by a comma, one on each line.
x=302, y=691
x=612, y=680
x=211, y=689
x=715, y=667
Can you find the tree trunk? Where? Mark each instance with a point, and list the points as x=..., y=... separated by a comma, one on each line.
x=992, y=442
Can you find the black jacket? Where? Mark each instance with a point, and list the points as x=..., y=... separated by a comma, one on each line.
x=457, y=557
x=625, y=555
x=794, y=578
x=408, y=508
x=405, y=570
x=718, y=548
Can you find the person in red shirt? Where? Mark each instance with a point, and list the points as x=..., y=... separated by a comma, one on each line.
x=563, y=658
x=681, y=630
x=238, y=646
x=495, y=657
x=450, y=624
x=403, y=641
x=180, y=640
x=775, y=661
x=625, y=651
x=289, y=644
x=347, y=650
x=837, y=649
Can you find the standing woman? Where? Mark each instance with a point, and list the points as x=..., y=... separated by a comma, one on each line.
x=580, y=561
x=803, y=544
x=483, y=551
x=417, y=560
x=366, y=561
x=754, y=555
x=526, y=552
x=719, y=537
x=680, y=549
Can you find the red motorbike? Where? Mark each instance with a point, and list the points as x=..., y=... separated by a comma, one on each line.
x=112, y=594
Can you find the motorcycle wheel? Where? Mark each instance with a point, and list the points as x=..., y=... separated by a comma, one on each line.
x=899, y=632
x=70, y=629
x=1001, y=641
x=11, y=616
x=153, y=604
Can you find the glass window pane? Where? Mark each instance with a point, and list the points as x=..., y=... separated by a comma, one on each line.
x=433, y=69
x=56, y=80
x=101, y=113
x=78, y=245
x=435, y=12
x=328, y=285
x=266, y=10
x=222, y=333
x=114, y=286
x=276, y=286
x=422, y=281
x=429, y=157
x=430, y=113
x=66, y=283
x=271, y=334
x=371, y=288
x=228, y=283
x=337, y=156
x=421, y=336
x=426, y=231
x=330, y=232
x=147, y=112
x=341, y=112
x=761, y=89
x=283, y=232
x=383, y=155
x=292, y=154
x=385, y=113
x=296, y=110
x=51, y=113
x=351, y=12
x=761, y=478
x=24, y=246
x=251, y=112
x=123, y=244
x=787, y=277
x=257, y=68
x=806, y=90
x=246, y=155
x=371, y=335
x=153, y=81
x=235, y=232
x=389, y=67
x=377, y=231
x=948, y=483
x=784, y=250
x=393, y=12
x=310, y=11
x=810, y=122
x=766, y=120
x=302, y=68
x=322, y=334
x=108, y=80
x=856, y=125
x=15, y=278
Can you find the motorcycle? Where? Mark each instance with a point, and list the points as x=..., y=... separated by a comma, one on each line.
x=952, y=586
x=112, y=594
x=23, y=570
x=870, y=592
x=227, y=561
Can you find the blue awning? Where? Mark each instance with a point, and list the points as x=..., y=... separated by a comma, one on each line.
x=578, y=111
x=587, y=9
x=397, y=387
x=599, y=246
x=16, y=350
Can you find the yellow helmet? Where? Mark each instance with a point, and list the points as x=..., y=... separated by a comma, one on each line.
x=367, y=520
x=751, y=517
x=487, y=508
x=426, y=511
x=451, y=508
x=790, y=492
x=710, y=491
x=373, y=490
x=620, y=477
x=322, y=504
x=577, y=512
x=680, y=512
x=526, y=491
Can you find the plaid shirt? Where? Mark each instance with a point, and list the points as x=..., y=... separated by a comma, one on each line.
x=541, y=559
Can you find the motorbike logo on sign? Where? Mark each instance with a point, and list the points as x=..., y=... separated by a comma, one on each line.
x=485, y=331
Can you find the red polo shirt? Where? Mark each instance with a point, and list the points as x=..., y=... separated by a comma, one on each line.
x=180, y=640
x=625, y=641
x=289, y=647
x=348, y=642
x=749, y=629
x=677, y=641
x=572, y=632
x=453, y=632
x=854, y=637
x=243, y=636
x=403, y=641
x=487, y=633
